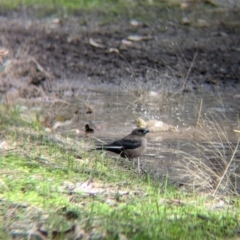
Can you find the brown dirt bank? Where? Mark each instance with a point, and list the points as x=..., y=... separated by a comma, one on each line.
x=203, y=50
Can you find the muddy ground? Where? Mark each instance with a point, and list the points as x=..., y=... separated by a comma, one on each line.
x=194, y=47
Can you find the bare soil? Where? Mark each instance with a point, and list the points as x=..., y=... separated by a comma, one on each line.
x=193, y=46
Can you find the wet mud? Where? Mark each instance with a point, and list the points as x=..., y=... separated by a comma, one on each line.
x=87, y=49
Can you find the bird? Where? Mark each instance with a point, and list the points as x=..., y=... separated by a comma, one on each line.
x=155, y=125
x=64, y=120
x=61, y=120
x=89, y=128
x=131, y=146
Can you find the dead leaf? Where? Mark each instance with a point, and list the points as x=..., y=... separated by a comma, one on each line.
x=113, y=50
x=137, y=38
x=126, y=42
x=95, y=44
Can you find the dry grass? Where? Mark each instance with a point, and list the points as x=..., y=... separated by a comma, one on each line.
x=213, y=164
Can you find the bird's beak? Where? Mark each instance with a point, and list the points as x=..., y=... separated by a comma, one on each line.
x=146, y=131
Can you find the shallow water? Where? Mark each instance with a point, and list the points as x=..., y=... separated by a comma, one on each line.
x=205, y=125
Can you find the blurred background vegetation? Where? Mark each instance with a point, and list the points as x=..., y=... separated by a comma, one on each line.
x=114, y=4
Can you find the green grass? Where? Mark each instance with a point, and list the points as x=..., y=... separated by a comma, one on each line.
x=107, y=10
x=38, y=176
x=80, y=4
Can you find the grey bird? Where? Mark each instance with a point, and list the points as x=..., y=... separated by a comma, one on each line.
x=131, y=146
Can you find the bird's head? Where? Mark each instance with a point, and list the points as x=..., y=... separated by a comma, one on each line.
x=140, y=131
x=140, y=123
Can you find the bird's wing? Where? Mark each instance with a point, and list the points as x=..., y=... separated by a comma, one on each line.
x=127, y=143
x=115, y=145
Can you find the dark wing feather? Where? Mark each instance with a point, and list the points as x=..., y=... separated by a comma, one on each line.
x=126, y=144
x=119, y=146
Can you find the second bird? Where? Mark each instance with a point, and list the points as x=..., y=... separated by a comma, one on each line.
x=155, y=125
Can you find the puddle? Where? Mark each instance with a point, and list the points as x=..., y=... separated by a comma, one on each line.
x=168, y=153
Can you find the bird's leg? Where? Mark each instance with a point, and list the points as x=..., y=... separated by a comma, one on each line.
x=139, y=170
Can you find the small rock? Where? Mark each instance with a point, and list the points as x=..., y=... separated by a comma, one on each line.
x=135, y=23
x=185, y=21
x=202, y=23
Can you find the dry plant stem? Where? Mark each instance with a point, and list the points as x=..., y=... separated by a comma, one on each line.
x=188, y=158
x=188, y=72
x=228, y=165
x=197, y=124
x=187, y=75
x=140, y=99
x=131, y=69
x=220, y=132
x=198, y=119
x=40, y=68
